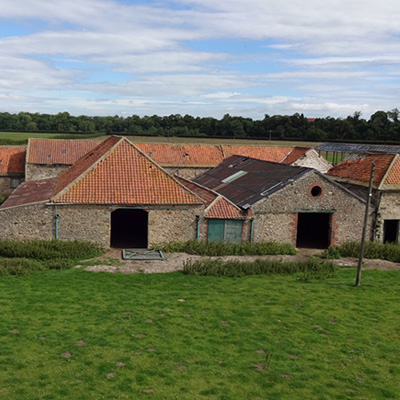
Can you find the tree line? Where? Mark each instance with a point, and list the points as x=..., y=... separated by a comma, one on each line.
x=381, y=126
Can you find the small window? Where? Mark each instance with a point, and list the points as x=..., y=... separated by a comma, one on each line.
x=15, y=182
x=316, y=191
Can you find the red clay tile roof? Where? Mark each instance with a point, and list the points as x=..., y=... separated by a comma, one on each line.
x=295, y=154
x=393, y=177
x=67, y=152
x=12, y=159
x=183, y=154
x=264, y=153
x=358, y=168
x=31, y=192
x=223, y=209
x=117, y=172
x=54, y=151
x=217, y=206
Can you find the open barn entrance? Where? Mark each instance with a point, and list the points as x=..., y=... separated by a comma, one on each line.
x=313, y=230
x=390, y=231
x=129, y=228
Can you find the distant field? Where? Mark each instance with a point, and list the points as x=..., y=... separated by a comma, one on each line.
x=73, y=334
x=22, y=137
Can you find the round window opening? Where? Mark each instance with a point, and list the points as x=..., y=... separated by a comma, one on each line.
x=316, y=191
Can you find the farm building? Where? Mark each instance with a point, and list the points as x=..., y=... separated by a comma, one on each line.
x=47, y=158
x=12, y=166
x=114, y=195
x=354, y=173
x=288, y=203
x=223, y=220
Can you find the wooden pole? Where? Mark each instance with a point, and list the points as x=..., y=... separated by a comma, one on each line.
x=364, y=233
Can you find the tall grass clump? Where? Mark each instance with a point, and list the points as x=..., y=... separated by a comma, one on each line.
x=49, y=249
x=229, y=249
x=387, y=251
x=217, y=267
x=19, y=266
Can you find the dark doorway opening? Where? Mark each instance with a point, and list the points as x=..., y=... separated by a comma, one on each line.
x=390, y=231
x=129, y=228
x=313, y=230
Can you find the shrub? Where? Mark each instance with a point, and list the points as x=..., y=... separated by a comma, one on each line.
x=229, y=249
x=218, y=267
x=387, y=251
x=19, y=266
x=332, y=253
x=50, y=249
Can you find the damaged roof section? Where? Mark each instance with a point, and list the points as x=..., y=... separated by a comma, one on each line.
x=245, y=181
x=31, y=192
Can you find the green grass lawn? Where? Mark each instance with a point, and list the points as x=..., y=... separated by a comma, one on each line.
x=72, y=334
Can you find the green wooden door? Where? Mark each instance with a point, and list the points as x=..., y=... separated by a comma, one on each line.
x=216, y=230
x=233, y=231
x=227, y=230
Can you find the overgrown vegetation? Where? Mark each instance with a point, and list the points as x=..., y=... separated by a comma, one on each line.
x=229, y=249
x=21, y=258
x=372, y=250
x=217, y=267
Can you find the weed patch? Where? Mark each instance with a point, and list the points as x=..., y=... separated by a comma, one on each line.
x=372, y=250
x=22, y=258
x=49, y=249
x=229, y=249
x=308, y=269
x=19, y=266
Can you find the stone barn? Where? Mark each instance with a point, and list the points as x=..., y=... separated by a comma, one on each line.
x=291, y=204
x=354, y=173
x=12, y=165
x=114, y=195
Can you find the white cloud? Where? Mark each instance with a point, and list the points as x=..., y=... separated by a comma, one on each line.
x=314, y=55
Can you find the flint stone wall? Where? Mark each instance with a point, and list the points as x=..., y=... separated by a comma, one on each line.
x=35, y=172
x=389, y=208
x=30, y=222
x=93, y=223
x=174, y=225
x=276, y=217
x=313, y=160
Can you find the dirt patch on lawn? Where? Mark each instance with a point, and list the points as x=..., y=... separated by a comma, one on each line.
x=112, y=262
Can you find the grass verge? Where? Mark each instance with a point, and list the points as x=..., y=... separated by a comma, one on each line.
x=74, y=334
x=229, y=249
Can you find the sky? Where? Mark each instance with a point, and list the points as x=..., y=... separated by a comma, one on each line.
x=204, y=58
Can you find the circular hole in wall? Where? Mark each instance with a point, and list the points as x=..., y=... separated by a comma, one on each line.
x=316, y=191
